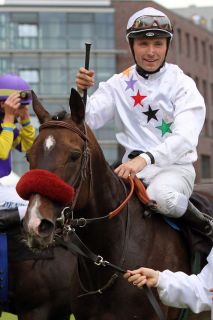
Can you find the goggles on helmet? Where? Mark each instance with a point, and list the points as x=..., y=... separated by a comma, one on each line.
x=151, y=22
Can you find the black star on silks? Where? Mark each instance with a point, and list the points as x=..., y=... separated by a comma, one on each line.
x=151, y=114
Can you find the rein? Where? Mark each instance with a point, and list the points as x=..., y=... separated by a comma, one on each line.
x=135, y=185
x=78, y=247
x=82, y=222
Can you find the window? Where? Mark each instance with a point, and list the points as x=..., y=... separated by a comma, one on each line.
x=179, y=36
x=31, y=76
x=24, y=17
x=187, y=45
x=204, y=51
x=211, y=94
x=205, y=93
x=5, y=65
x=205, y=166
x=27, y=36
x=28, y=30
x=196, y=48
x=197, y=82
x=206, y=128
x=211, y=55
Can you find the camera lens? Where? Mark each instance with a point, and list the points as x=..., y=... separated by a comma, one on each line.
x=24, y=94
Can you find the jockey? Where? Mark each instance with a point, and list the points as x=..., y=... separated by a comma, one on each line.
x=159, y=114
x=16, y=131
x=178, y=289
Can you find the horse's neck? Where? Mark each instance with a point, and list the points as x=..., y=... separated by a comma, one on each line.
x=104, y=185
x=108, y=190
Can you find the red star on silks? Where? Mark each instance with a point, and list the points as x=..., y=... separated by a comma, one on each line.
x=138, y=98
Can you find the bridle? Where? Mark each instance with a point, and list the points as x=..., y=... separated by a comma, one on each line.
x=77, y=183
x=67, y=212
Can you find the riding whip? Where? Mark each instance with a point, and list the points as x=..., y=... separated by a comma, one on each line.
x=87, y=56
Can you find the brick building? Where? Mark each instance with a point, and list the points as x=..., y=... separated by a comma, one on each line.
x=199, y=15
x=192, y=50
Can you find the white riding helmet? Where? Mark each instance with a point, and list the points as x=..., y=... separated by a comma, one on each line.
x=149, y=23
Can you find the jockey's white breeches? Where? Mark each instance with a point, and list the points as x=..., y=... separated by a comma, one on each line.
x=170, y=187
x=9, y=199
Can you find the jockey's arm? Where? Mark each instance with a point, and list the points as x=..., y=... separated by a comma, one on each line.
x=26, y=135
x=6, y=139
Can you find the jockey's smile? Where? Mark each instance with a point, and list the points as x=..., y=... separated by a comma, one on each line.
x=150, y=53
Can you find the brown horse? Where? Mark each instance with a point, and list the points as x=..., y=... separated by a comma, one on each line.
x=39, y=283
x=67, y=147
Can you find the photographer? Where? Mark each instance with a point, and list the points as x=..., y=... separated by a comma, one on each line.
x=17, y=132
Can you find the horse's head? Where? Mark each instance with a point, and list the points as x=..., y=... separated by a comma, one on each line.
x=61, y=149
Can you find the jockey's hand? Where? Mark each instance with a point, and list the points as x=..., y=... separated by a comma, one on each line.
x=23, y=112
x=142, y=276
x=131, y=167
x=84, y=79
x=10, y=106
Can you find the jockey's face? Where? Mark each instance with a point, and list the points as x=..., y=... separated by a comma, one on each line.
x=150, y=53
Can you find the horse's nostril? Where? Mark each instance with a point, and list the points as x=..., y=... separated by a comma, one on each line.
x=45, y=228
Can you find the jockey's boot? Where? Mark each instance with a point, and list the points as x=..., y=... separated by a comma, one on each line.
x=8, y=218
x=202, y=223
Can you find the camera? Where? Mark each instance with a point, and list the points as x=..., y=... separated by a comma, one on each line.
x=26, y=94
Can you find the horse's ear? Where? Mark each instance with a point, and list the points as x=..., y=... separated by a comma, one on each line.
x=39, y=110
x=77, y=107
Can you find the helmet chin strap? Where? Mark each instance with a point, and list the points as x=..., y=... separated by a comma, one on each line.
x=142, y=72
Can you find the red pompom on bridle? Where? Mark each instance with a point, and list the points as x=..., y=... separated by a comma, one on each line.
x=46, y=184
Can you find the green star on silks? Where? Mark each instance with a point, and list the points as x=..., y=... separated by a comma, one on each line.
x=165, y=127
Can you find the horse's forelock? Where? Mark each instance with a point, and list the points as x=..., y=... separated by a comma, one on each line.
x=60, y=115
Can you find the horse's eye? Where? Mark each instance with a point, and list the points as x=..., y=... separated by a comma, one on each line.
x=75, y=155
